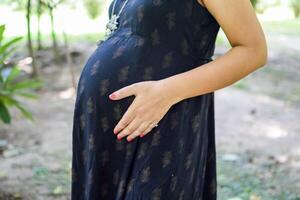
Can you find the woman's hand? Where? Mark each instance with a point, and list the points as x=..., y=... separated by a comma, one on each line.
x=152, y=101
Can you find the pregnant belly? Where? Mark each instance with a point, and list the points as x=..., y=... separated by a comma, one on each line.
x=121, y=61
x=111, y=66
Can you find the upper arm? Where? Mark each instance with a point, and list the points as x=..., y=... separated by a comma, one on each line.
x=239, y=22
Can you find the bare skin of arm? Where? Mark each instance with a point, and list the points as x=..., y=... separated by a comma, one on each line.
x=153, y=99
x=249, y=51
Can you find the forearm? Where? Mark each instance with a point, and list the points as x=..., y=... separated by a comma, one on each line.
x=238, y=62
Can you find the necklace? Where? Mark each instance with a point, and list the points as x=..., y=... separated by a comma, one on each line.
x=112, y=23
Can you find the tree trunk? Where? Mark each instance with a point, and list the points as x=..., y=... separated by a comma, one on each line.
x=53, y=34
x=39, y=13
x=69, y=61
x=29, y=41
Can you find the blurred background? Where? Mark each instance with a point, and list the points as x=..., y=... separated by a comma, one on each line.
x=43, y=47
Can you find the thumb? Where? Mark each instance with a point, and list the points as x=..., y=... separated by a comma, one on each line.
x=124, y=92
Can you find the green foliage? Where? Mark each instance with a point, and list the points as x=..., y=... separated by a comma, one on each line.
x=295, y=4
x=254, y=3
x=11, y=86
x=261, y=5
x=93, y=7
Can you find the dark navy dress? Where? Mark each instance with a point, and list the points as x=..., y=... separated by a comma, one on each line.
x=175, y=160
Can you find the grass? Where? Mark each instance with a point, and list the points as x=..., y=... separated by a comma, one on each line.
x=56, y=181
x=243, y=181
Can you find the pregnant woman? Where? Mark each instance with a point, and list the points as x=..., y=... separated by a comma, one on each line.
x=144, y=114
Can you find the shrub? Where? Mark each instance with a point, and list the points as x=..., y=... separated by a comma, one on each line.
x=11, y=86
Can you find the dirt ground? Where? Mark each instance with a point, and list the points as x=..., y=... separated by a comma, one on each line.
x=257, y=125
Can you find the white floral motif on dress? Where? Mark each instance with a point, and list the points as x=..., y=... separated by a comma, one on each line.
x=140, y=42
x=156, y=194
x=166, y=159
x=155, y=38
x=192, y=175
x=90, y=106
x=115, y=179
x=173, y=183
x=95, y=67
x=91, y=142
x=104, y=157
x=148, y=73
x=130, y=184
x=82, y=85
x=104, y=123
x=145, y=174
x=156, y=138
x=119, y=52
x=156, y=2
x=184, y=47
x=123, y=74
x=196, y=122
x=129, y=150
x=140, y=12
x=171, y=20
x=188, y=161
x=167, y=59
x=117, y=111
x=181, y=195
x=84, y=155
x=121, y=188
x=82, y=122
x=104, y=86
x=142, y=150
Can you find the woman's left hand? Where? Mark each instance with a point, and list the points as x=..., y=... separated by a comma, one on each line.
x=152, y=101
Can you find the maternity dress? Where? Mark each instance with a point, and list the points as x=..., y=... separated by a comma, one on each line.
x=176, y=160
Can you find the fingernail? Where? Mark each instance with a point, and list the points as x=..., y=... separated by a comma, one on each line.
x=113, y=95
x=129, y=139
x=142, y=135
x=119, y=138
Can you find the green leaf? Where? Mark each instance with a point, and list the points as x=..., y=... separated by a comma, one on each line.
x=4, y=114
x=25, y=113
x=2, y=29
x=9, y=43
x=14, y=72
x=27, y=95
x=26, y=84
x=6, y=54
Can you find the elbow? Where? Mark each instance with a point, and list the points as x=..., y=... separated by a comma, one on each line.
x=261, y=50
x=263, y=55
x=259, y=54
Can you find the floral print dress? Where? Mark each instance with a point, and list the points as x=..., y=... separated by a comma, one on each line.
x=175, y=160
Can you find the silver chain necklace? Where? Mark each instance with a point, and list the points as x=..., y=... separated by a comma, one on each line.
x=112, y=23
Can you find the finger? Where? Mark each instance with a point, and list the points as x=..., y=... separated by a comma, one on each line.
x=124, y=92
x=127, y=117
x=146, y=131
x=130, y=128
x=149, y=128
x=141, y=129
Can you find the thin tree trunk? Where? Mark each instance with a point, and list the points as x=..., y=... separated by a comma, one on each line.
x=29, y=42
x=69, y=61
x=53, y=34
x=39, y=13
